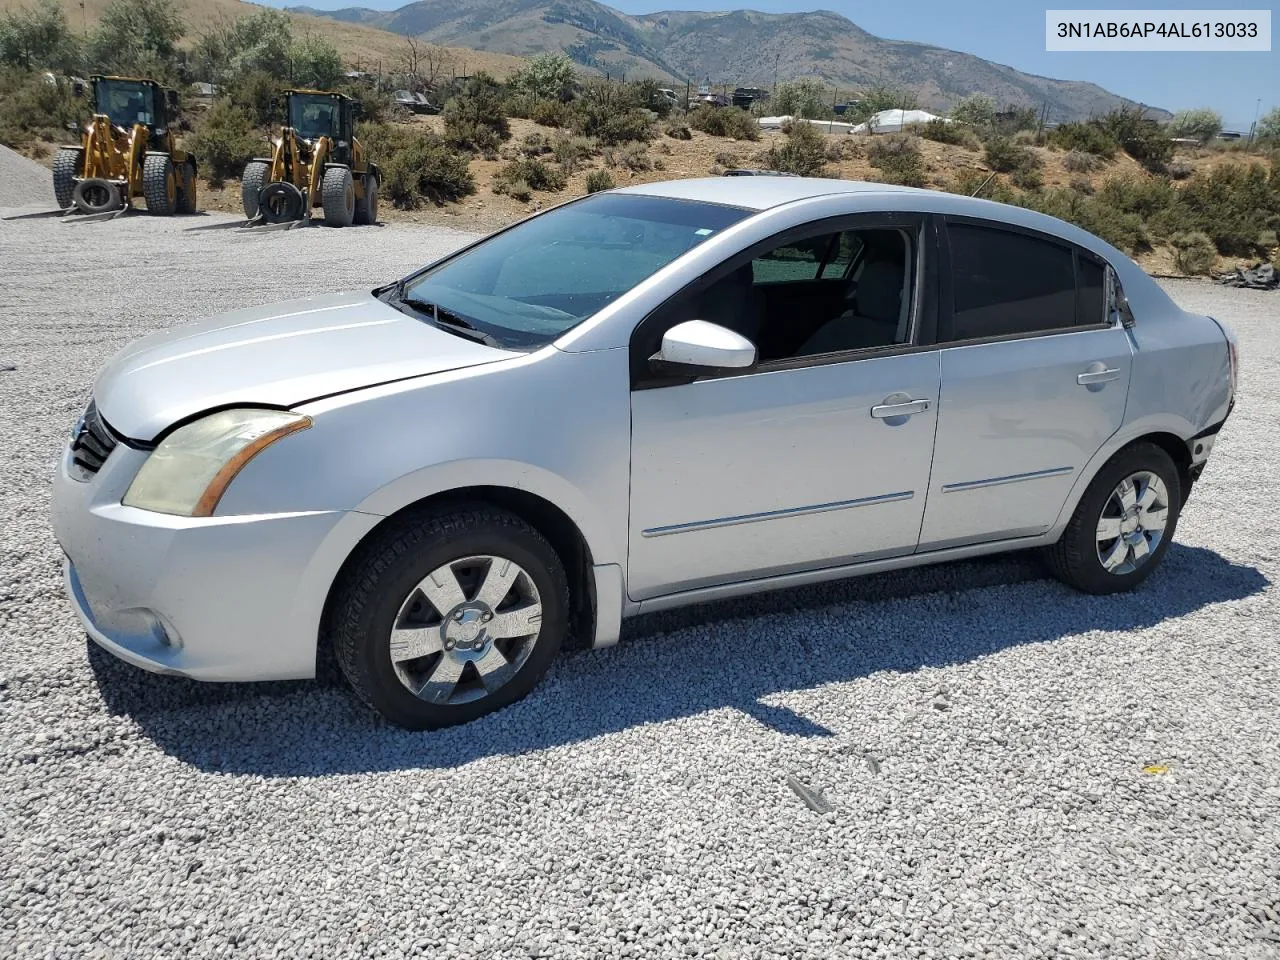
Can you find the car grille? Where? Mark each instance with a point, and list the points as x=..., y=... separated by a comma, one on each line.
x=93, y=440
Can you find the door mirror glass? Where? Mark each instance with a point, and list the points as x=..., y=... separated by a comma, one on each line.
x=697, y=345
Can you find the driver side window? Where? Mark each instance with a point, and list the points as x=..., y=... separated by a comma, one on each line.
x=821, y=294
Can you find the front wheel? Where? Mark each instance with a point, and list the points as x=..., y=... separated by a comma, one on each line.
x=160, y=184
x=449, y=615
x=1123, y=524
x=338, y=197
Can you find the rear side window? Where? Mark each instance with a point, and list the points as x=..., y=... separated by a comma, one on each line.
x=1006, y=283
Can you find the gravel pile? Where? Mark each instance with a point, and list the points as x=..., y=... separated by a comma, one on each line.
x=23, y=182
x=1009, y=769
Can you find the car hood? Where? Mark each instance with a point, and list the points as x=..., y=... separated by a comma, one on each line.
x=279, y=355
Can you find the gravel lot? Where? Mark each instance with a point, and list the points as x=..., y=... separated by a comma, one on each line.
x=990, y=741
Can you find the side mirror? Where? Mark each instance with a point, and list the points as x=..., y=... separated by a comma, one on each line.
x=697, y=346
x=77, y=88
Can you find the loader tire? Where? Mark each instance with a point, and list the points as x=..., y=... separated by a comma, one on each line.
x=252, y=181
x=96, y=195
x=66, y=167
x=367, y=206
x=187, y=202
x=281, y=202
x=338, y=196
x=160, y=184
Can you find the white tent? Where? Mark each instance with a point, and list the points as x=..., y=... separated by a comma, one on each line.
x=891, y=121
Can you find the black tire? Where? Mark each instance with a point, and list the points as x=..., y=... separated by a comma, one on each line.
x=281, y=202
x=160, y=184
x=367, y=206
x=338, y=197
x=387, y=569
x=67, y=165
x=1075, y=559
x=96, y=195
x=252, y=181
x=187, y=188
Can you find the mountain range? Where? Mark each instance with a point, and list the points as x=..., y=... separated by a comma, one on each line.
x=738, y=48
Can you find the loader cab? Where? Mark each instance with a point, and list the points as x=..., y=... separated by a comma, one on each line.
x=314, y=114
x=126, y=101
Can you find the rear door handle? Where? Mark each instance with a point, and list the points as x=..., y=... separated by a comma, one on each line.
x=905, y=408
x=1105, y=375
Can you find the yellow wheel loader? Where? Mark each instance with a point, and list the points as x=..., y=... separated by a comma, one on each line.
x=315, y=162
x=127, y=151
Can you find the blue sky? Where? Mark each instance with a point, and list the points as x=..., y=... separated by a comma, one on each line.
x=1012, y=32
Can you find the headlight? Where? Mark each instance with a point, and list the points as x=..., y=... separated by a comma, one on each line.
x=189, y=471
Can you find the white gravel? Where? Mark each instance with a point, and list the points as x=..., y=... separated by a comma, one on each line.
x=981, y=733
x=23, y=182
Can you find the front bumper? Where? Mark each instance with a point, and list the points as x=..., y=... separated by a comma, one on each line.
x=220, y=598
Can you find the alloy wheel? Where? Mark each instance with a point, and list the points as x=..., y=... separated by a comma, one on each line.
x=1132, y=523
x=465, y=630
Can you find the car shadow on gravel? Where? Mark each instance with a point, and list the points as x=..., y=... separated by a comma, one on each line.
x=670, y=665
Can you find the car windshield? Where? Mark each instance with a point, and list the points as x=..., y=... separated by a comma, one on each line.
x=313, y=117
x=125, y=102
x=532, y=283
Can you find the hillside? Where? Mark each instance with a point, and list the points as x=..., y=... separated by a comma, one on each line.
x=739, y=47
x=362, y=45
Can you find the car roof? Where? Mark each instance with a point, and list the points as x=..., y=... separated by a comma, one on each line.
x=760, y=192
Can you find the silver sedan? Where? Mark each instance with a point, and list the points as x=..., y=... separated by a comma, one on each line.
x=645, y=398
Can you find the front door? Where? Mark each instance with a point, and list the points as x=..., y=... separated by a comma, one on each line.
x=820, y=455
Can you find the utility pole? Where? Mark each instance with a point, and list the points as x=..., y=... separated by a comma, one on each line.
x=776, y=58
x=1256, y=111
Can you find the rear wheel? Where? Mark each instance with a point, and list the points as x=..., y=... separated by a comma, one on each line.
x=187, y=189
x=367, y=206
x=66, y=167
x=96, y=195
x=338, y=196
x=252, y=181
x=449, y=616
x=160, y=184
x=1123, y=524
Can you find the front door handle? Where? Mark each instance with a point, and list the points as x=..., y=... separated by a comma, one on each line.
x=1105, y=375
x=898, y=408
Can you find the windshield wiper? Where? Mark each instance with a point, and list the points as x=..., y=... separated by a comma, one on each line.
x=448, y=320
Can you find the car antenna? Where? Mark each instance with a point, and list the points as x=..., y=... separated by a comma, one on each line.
x=982, y=185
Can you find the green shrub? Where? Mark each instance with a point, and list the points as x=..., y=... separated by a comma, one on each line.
x=728, y=160
x=534, y=145
x=537, y=174
x=424, y=167
x=31, y=109
x=678, y=131
x=1202, y=125
x=598, y=180
x=519, y=104
x=976, y=110
x=224, y=141
x=570, y=152
x=1234, y=205
x=516, y=189
x=1084, y=138
x=1193, y=253
x=1179, y=169
x=476, y=118
x=1081, y=161
x=1027, y=178
x=724, y=122
x=1139, y=136
x=804, y=152
x=1081, y=185
x=897, y=156
x=940, y=131
x=633, y=156
x=551, y=113
x=549, y=76
x=1004, y=156
x=610, y=112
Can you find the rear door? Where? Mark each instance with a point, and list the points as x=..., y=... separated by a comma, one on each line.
x=1035, y=377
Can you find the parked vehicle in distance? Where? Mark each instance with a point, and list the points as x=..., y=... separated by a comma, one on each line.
x=416, y=102
x=644, y=398
x=127, y=151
